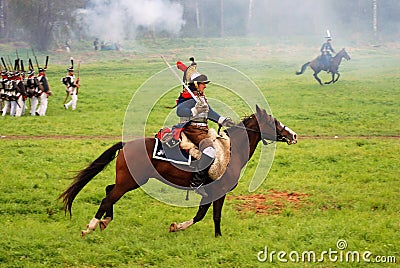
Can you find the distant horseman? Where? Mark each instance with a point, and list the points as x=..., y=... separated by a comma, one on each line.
x=326, y=52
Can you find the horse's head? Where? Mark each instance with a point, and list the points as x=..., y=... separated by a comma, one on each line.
x=272, y=129
x=345, y=54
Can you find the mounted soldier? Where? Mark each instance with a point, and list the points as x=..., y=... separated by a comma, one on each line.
x=326, y=52
x=194, y=115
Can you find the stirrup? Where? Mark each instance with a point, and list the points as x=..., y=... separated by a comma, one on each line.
x=200, y=190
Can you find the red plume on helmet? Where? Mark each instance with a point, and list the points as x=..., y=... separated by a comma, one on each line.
x=181, y=66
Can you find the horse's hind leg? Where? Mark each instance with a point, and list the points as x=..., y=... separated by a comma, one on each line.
x=109, y=213
x=106, y=207
x=317, y=78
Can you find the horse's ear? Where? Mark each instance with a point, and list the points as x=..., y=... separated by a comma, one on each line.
x=258, y=110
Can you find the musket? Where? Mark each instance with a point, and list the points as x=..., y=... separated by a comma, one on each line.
x=79, y=76
x=4, y=63
x=9, y=62
x=79, y=69
x=16, y=64
x=30, y=64
x=180, y=80
x=47, y=62
x=37, y=63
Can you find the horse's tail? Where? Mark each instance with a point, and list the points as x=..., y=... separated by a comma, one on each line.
x=85, y=175
x=303, y=68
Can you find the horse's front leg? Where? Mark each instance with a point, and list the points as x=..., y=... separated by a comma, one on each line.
x=217, y=210
x=333, y=78
x=201, y=212
x=338, y=75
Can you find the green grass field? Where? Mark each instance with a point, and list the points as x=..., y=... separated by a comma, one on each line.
x=349, y=184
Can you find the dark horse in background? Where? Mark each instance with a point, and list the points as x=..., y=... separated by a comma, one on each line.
x=135, y=165
x=333, y=68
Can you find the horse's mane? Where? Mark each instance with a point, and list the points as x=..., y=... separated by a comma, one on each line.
x=245, y=120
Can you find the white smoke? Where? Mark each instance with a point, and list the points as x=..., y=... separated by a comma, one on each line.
x=120, y=19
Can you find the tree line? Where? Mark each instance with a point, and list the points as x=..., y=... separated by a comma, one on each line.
x=46, y=23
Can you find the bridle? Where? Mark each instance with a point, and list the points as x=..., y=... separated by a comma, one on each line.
x=279, y=136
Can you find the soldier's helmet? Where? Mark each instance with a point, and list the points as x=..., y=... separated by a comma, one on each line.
x=4, y=72
x=31, y=72
x=70, y=69
x=42, y=70
x=198, y=78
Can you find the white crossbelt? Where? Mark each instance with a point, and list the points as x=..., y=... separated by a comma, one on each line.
x=198, y=124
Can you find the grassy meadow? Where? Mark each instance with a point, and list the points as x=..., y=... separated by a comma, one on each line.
x=349, y=184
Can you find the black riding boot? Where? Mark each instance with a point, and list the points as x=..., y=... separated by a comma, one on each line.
x=201, y=176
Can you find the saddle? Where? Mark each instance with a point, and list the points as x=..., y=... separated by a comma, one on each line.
x=186, y=147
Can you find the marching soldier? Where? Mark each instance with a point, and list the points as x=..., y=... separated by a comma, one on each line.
x=20, y=93
x=44, y=92
x=2, y=88
x=71, y=87
x=33, y=92
x=11, y=89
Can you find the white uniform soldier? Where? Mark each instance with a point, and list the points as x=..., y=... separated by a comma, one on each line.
x=6, y=92
x=3, y=95
x=13, y=94
x=45, y=92
x=71, y=87
x=32, y=85
x=21, y=93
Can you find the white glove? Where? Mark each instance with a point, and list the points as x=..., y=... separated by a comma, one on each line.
x=226, y=121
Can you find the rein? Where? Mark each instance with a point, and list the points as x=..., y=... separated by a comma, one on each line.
x=264, y=141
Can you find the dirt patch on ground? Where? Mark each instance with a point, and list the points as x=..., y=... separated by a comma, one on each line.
x=272, y=203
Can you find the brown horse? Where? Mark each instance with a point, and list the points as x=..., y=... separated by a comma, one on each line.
x=333, y=68
x=135, y=165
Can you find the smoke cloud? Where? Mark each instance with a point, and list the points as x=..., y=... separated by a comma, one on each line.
x=120, y=19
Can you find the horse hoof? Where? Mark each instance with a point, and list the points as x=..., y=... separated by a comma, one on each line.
x=83, y=233
x=104, y=223
x=173, y=227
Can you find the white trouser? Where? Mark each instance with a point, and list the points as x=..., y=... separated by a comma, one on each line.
x=72, y=102
x=20, y=104
x=43, y=104
x=34, y=103
x=13, y=109
x=6, y=107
